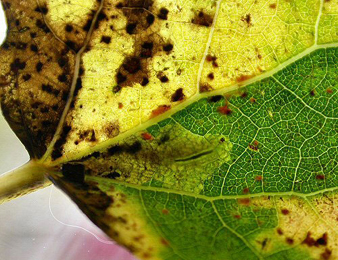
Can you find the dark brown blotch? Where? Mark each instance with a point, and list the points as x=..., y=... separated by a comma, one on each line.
x=69, y=28
x=106, y=39
x=163, y=13
x=178, y=95
x=203, y=19
x=39, y=66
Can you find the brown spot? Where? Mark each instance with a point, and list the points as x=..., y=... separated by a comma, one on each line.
x=117, y=89
x=164, y=79
x=237, y=216
x=159, y=110
x=205, y=87
x=26, y=77
x=259, y=178
x=254, y=146
x=244, y=95
x=285, y=211
x=247, y=19
x=329, y=91
x=39, y=66
x=243, y=78
x=309, y=241
x=320, y=177
x=289, y=240
x=69, y=28
x=120, y=105
x=326, y=254
x=165, y=211
x=178, y=95
x=132, y=65
x=225, y=110
x=163, y=14
x=164, y=242
x=105, y=39
x=150, y=19
x=312, y=93
x=280, y=231
x=203, y=19
x=62, y=77
x=17, y=65
x=168, y=47
x=215, y=99
x=273, y=6
x=322, y=241
x=246, y=190
x=211, y=76
x=244, y=201
x=144, y=82
x=252, y=100
x=42, y=9
x=112, y=129
x=147, y=136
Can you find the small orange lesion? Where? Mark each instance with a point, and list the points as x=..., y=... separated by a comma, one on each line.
x=225, y=110
x=165, y=211
x=160, y=110
x=242, y=78
x=244, y=201
x=147, y=136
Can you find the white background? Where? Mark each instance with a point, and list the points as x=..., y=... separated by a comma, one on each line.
x=28, y=229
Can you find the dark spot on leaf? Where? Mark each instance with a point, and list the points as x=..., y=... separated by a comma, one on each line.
x=244, y=201
x=87, y=25
x=326, y=254
x=131, y=28
x=150, y=19
x=34, y=48
x=26, y=77
x=168, y=47
x=280, y=231
x=322, y=241
x=146, y=136
x=74, y=172
x=117, y=149
x=246, y=190
x=116, y=89
x=252, y=100
x=33, y=34
x=112, y=175
x=165, y=138
x=17, y=65
x=145, y=82
x=225, y=110
x=39, y=66
x=215, y=99
x=106, y=39
x=285, y=211
x=178, y=95
x=164, y=79
x=159, y=110
x=211, y=76
x=62, y=62
x=132, y=65
x=247, y=19
x=134, y=148
x=62, y=78
x=320, y=177
x=69, y=28
x=289, y=240
x=165, y=211
x=203, y=19
x=205, y=87
x=312, y=93
x=243, y=78
x=58, y=147
x=163, y=14
x=273, y=6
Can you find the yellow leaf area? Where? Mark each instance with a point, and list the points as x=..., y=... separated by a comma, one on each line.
x=308, y=224
x=147, y=57
x=328, y=24
x=146, y=221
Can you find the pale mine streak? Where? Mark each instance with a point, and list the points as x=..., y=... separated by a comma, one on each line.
x=72, y=88
x=150, y=122
x=318, y=20
x=207, y=46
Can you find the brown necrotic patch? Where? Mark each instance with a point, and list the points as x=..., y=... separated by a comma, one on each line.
x=178, y=95
x=135, y=68
x=203, y=19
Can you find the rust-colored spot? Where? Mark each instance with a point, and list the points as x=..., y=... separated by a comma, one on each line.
x=203, y=19
x=165, y=211
x=237, y=216
x=246, y=190
x=326, y=254
x=120, y=105
x=244, y=201
x=244, y=95
x=159, y=110
x=243, y=78
x=164, y=242
x=289, y=240
x=259, y=178
x=224, y=110
x=309, y=241
x=254, y=146
x=205, y=87
x=147, y=136
x=280, y=231
x=320, y=177
x=329, y=91
x=252, y=100
x=273, y=6
x=285, y=211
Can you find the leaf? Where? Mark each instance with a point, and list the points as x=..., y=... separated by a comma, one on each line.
x=195, y=130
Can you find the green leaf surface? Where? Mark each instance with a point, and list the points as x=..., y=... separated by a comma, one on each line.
x=230, y=149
